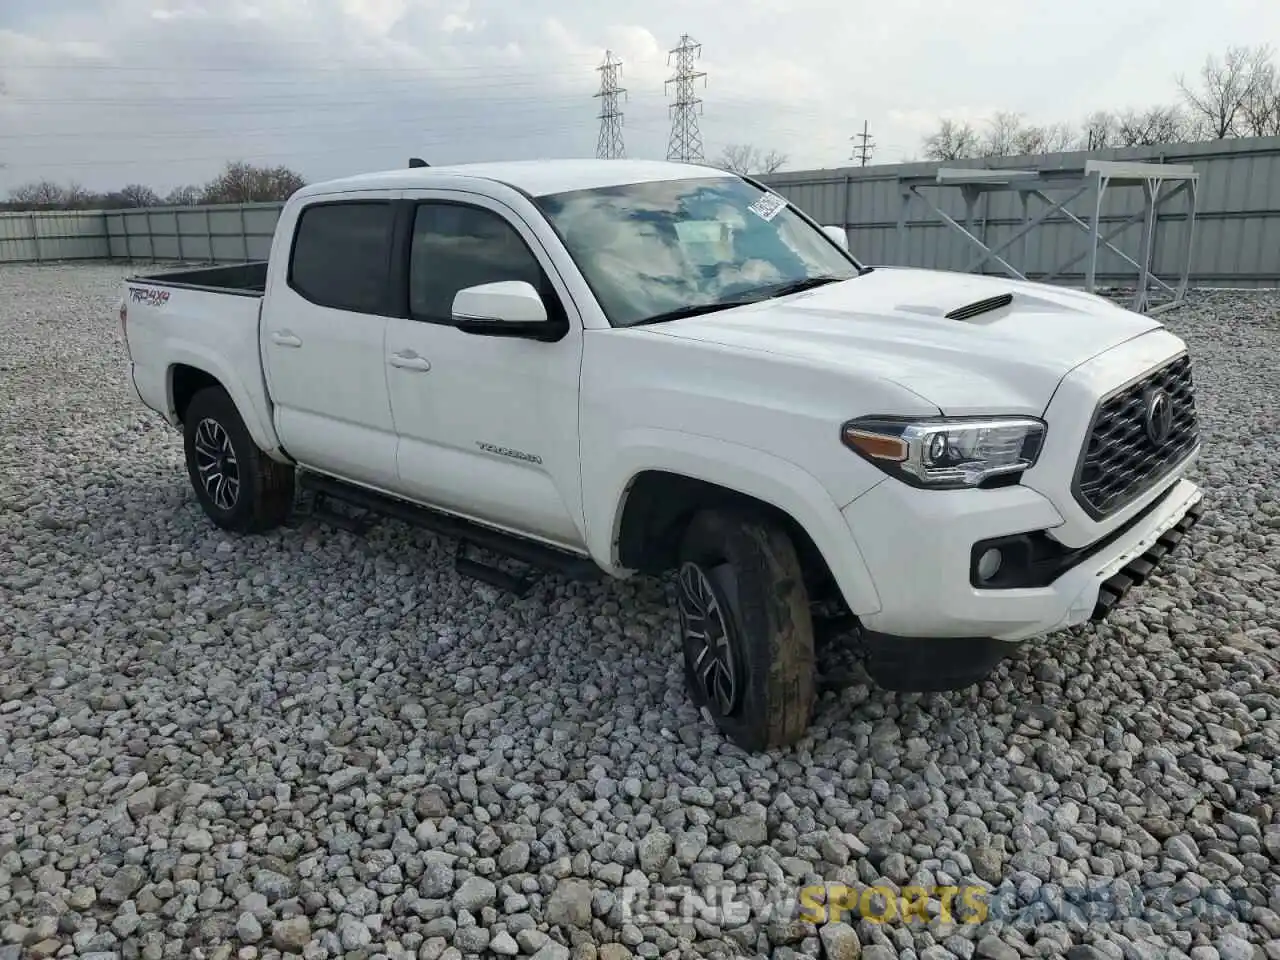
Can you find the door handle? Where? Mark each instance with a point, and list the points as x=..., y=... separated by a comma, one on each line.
x=284, y=338
x=410, y=361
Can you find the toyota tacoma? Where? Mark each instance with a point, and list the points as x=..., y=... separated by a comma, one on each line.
x=621, y=367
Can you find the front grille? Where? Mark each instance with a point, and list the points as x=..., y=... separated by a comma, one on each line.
x=1120, y=460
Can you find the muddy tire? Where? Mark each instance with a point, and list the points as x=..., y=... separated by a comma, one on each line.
x=238, y=486
x=746, y=628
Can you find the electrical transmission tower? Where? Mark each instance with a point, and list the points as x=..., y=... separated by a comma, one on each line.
x=866, y=146
x=686, y=139
x=609, y=146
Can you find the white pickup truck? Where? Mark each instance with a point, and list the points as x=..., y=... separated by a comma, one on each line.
x=627, y=367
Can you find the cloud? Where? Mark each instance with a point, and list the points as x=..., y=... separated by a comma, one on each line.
x=165, y=91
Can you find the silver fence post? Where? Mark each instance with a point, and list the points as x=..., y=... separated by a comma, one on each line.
x=35, y=236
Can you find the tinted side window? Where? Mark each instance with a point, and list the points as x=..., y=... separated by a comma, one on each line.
x=342, y=255
x=456, y=247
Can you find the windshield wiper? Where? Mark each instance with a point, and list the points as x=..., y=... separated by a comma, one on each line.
x=760, y=293
x=804, y=283
x=693, y=310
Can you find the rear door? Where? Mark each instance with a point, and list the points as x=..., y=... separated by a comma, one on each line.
x=323, y=335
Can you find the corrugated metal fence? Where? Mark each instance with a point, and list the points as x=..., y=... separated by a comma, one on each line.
x=1237, y=232
x=212, y=234
x=1237, y=225
x=56, y=235
x=216, y=234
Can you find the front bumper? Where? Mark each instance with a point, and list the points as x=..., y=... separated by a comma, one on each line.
x=918, y=546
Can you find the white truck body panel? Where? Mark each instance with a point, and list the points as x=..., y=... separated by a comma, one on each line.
x=213, y=332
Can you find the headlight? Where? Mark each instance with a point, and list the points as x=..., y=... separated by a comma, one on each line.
x=945, y=454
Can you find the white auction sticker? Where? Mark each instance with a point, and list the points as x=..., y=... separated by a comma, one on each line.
x=768, y=206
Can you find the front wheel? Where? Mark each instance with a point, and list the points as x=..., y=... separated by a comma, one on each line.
x=239, y=487
x=746, y=627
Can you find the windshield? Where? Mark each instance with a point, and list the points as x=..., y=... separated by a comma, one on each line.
x=656, y=251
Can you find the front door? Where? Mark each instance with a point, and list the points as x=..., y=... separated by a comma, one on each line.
x=323, y=333
x=488, y=426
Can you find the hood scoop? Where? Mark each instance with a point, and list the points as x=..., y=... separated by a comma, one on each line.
x=979, y=307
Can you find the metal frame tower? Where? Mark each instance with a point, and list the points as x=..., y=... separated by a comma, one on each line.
x=686, y=139
x=609, y=145
x=866, y=145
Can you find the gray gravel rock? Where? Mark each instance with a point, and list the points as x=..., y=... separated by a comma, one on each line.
x=840, y=941
x=295, y=741
x=291, y=935
x=474, y=894
x=504, y=945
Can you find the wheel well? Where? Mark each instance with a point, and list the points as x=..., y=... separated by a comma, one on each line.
x=185, y=382
x=660, y=505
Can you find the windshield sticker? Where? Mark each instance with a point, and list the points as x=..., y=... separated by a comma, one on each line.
x=768, y=206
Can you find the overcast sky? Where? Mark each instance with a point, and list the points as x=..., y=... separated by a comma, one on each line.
x=108, y=92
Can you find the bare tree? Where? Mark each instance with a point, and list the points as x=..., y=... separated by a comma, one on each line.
x=743, y=158
x=1100, y=130
x=1260, y=113
x=951, y=141
x=1143, y=128
x=186, y=196
x=41, y=195
x=244, y=183
x=76, y=197
x=138, y=195
x=1004, y=136
x=1218, y=103
x=1061, y=137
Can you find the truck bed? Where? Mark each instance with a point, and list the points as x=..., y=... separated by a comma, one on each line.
x=203, y=320
x=241, y=279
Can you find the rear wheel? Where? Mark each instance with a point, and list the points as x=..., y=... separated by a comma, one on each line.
x=746, y=627
x=238, y=486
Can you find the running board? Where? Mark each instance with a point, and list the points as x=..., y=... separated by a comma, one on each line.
x=467, y=533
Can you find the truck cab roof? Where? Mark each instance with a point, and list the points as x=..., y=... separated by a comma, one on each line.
x=535, y=177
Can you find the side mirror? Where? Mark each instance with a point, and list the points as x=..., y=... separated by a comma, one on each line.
x=507, y=308
x=839, y=235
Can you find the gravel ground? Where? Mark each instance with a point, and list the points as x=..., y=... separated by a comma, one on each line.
x=313, y=743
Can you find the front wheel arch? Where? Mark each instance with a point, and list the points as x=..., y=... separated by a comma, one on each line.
x=660, y=505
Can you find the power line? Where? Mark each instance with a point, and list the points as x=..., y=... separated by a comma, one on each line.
x=609, y=145
x=865, y=147
x=259, y=121
x=686, y=139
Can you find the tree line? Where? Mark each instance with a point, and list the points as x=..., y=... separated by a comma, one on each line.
x=239, y=182
x=1237, y=95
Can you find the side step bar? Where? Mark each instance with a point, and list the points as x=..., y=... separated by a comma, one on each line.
x=1138, y=569
x=467, y=533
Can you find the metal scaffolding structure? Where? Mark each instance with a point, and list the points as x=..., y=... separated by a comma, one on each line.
x=1093, y=180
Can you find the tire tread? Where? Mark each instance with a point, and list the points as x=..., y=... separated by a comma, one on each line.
x=775, y=620
x=269, y=483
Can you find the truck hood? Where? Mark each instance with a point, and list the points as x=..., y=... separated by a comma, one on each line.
x=891, y=323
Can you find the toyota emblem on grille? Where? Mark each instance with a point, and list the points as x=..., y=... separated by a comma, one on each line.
x=1159, y=416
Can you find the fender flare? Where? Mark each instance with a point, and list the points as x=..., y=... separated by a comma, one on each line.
x=742, y=469
x=193, y=355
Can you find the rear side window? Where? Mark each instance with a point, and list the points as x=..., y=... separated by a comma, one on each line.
x=342, y=255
